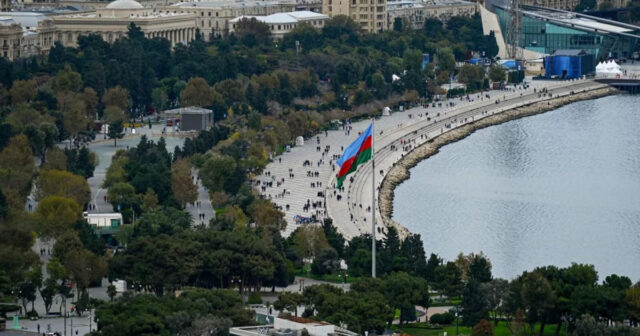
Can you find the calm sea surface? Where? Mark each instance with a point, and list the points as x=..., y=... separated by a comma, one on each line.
x=551, y=189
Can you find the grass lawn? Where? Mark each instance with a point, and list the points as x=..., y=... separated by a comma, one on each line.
x=500, y=330
x=305, y=272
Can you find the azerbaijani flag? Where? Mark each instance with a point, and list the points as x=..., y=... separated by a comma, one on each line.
x=357, y=153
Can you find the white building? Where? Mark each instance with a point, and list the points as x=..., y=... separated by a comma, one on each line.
x=282, y=23
x=104, y=220
x=112, y=22
x=212, y=17
x=25, y=34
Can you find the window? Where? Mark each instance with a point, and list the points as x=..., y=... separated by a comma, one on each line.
x=201, y=13
x=217, y=14
x=115, y=223
x=209, y=13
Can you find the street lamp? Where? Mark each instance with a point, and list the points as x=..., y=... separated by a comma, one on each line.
x=456, y=320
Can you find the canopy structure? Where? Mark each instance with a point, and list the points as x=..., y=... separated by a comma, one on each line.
x=608, y=69
x=299, y=141
x=386, y=111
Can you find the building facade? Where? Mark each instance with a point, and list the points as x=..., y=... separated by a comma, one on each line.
x=112, y=22
x=557, y=4
x=411, y=13
x=371, y=15
x=282, y=23
x=212, y=17
x=414, y=13
x=546, y=30
x=446, y=9
x=10, y=38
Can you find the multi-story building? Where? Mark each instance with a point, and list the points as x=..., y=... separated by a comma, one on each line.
x=112, y=22
x=10, y=38
x=282, y=23
x=443, y=10
x=556, y=4
x=371, y=15
x=413, y=13
x=212, y=17
x=5, y=5
x=309, y=5
x=35, y=33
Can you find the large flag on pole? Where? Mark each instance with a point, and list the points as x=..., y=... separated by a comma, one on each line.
x=357, y=153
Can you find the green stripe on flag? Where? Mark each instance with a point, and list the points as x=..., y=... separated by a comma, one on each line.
x=363, y=157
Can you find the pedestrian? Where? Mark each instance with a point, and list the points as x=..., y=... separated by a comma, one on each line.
x=38, y=328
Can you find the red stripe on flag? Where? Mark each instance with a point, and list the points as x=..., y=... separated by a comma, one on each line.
x=346, y=166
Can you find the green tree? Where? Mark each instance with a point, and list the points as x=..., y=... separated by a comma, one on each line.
x=495, y=292
x=632, y=298
x=537, y=298
x=252, y=32
x=56, y=215
x=474, y=303
x=404, y=292
x=115, y=131
x=64, y=184
x=160, y=98
x=182, y=184
x=216, y=171
x=471, y=75
x=446, y=61
x=309, y=241
x=497, y=73
x=397, y=24
x=197, y=93
x=289, y=302
x=449, y=279
x=479, y=268
x=118, y=97
x=16, y=171
x=23, y=91
x=340, y=25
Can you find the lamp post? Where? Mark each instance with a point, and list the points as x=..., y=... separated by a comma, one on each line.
x=456, y=320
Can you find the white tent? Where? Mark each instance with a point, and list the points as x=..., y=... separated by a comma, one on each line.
x=608, y=69
x=386, y=111
x=299, y=141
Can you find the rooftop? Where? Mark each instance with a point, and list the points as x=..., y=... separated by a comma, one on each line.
x=124, y=4
x=188, y=110
x=25, y=19
x=580, y=21
x=227, y=4
x=283, y=18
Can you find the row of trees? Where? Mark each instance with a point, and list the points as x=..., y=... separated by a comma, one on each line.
x=369, y=305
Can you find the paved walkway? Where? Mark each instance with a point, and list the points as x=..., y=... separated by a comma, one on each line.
x=202, y=212
x=301, y=182
x=104, y=150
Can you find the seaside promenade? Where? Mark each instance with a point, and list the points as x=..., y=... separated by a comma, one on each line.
x=302, y=181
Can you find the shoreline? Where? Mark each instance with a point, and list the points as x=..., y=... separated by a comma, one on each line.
x=400, y=170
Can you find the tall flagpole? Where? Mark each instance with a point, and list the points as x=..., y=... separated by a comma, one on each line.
x=373, y=199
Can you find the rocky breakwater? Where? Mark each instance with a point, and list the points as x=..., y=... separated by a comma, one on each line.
x=400, y=170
